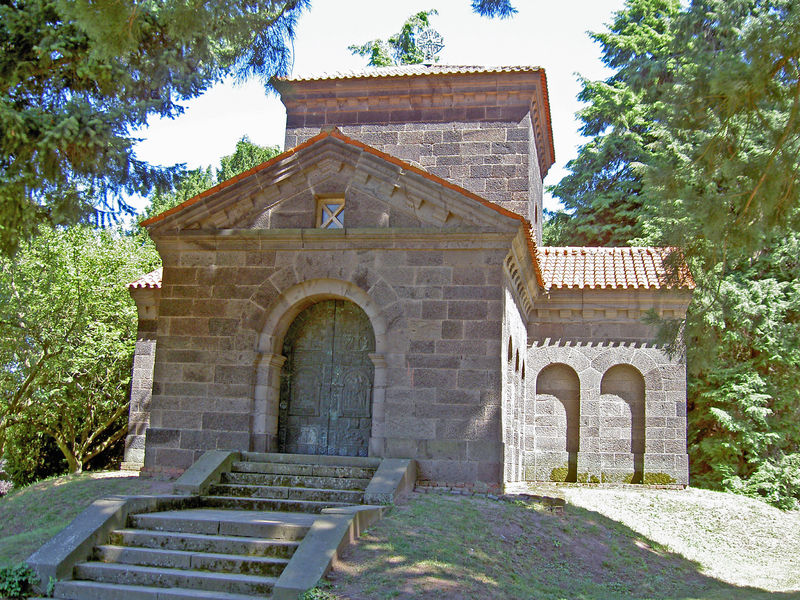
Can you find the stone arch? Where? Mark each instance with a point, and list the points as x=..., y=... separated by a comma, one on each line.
x=622, y=423
x=276, y=322
x=558, y=401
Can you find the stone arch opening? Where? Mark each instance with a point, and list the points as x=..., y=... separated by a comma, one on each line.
x=278, y=319
x=558, y=397
x=622, y=410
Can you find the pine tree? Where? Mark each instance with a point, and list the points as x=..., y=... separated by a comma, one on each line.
x=78, y=78
x=603, y=194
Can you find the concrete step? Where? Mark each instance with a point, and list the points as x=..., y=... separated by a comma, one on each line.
x=313, y=459
x=179, y=559
x=287, y=493
x=197, y=542
x=303, y=470
x=171, y=578
x=269, y=504
x=95, y=590
x=265, y=524
x=330, y=483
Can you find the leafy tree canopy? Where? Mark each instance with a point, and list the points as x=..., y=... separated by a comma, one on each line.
x=401, y=48
x=67, y=331
x=246, y=156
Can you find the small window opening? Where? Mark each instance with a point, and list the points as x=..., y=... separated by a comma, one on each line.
x=330, y=213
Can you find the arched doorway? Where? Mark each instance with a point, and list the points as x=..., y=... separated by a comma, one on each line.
x=326, y=382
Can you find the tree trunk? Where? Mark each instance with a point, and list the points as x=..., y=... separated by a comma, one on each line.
x=74, y=463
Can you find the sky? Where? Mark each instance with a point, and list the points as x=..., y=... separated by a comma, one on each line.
x=552, y=35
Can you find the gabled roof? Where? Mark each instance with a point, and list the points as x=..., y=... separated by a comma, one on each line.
x=406, y=167
x=603, y=268
x=333, y=134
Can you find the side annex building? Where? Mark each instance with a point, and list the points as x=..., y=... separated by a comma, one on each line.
x=380, y=289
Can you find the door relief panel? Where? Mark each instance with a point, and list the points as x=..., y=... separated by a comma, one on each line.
x=326, y=381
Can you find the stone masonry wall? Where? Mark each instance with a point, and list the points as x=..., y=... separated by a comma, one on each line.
x=514, y=357
x=599, y=341
x=496, y=160
x=440, y=304
x=142, y=377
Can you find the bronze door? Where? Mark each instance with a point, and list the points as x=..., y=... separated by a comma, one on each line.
x=326, y=381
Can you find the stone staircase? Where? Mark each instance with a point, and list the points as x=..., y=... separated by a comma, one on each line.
x=229, y=544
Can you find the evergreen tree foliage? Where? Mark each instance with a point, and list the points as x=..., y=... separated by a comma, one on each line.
x=494, y=8
x=728, y=128
x=723, y=185
x=399, y=49
x=77, y=79
x=603, y=193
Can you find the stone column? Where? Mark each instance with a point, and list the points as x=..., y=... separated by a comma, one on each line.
x=378, y=437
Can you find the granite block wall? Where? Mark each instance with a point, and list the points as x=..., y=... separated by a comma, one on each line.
x=437, y=310
x=604, y=404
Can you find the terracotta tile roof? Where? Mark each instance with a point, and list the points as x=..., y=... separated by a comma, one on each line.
x=602, y=268
x=150, y=281
x=412, y=70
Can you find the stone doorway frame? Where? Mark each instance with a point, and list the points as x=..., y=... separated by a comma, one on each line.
x=269, y=361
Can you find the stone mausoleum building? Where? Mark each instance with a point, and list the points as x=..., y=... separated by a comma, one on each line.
x=380, y=289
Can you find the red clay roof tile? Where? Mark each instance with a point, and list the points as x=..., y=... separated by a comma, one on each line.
x=604, y=268
x=413, y=70
x=150, y=281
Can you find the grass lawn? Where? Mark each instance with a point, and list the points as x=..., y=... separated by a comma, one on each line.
x=608, y=544
x=32, y=515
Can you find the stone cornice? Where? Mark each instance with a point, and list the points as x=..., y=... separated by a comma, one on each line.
x=609, y=305
x=313, y=239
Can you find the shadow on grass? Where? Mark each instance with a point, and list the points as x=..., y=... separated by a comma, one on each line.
x=447, y=547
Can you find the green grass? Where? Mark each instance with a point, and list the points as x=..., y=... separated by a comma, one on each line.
x=32, y=515
x=446, y=547
x=608, y=544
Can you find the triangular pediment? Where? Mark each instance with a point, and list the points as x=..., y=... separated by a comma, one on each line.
x=378, y=190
